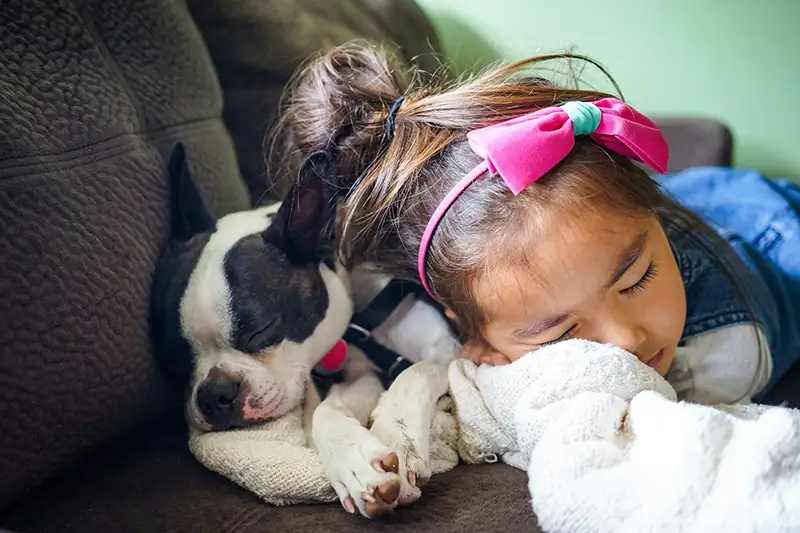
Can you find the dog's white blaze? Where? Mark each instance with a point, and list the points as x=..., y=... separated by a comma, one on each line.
x=205, y=306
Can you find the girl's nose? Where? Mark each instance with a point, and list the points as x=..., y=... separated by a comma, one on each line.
x=624, y=331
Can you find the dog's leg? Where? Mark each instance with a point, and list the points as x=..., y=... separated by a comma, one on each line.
x=402, y=420
x=310, y=404
x=361, y=468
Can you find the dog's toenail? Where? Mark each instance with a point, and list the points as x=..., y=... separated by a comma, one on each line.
x=349, y=505
x=367, y=496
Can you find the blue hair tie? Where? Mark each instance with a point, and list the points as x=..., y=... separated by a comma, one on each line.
x=585, y=117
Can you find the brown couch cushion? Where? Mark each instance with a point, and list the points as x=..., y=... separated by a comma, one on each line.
x=256, y=46
x=150, y=482
x=695, y=142
x=92, y=95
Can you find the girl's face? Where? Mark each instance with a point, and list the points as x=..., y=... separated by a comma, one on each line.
x=605, y=278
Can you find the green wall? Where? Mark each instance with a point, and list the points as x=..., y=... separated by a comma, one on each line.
x=737, y=61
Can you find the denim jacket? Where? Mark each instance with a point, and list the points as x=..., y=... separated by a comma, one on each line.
x=760, y=219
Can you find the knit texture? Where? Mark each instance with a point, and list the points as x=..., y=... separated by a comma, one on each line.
x=276, y=461
x=608, y=448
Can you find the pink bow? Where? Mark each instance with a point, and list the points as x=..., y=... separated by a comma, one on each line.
x=524, y=149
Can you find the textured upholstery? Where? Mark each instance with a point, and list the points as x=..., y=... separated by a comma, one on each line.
x=92, y=95
x=150, y=483
x=695, y=142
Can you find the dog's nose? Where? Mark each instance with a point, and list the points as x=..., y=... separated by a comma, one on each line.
x=215, y=399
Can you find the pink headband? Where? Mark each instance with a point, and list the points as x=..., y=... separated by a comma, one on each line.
x=524, y=149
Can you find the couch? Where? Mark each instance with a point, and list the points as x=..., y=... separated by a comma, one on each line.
x=92, y=95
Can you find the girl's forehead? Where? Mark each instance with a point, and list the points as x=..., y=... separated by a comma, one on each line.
x=558, y=266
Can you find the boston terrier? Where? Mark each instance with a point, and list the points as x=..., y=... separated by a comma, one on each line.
x=247, y=310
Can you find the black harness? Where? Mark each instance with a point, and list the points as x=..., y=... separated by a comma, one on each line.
x=359, y=333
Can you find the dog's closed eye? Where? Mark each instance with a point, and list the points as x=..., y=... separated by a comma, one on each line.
x=268, y=335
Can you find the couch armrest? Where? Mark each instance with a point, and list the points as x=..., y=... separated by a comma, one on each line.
x=696, y=142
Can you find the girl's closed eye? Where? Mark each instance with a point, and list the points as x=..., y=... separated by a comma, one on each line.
x=567, y=335
x=640, y=285
x=643, y=282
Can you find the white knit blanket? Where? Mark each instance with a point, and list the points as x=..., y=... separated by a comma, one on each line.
x=608, y=448
x=273, y=460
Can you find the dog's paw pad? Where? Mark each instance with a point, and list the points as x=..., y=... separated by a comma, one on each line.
x=386, y=464
x=380, y=500
x=388, y=491
x=376, y=510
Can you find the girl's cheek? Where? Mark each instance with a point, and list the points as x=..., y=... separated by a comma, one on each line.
x=481, y=354
x=498, y=359
x=668, y=303
x=473, y=350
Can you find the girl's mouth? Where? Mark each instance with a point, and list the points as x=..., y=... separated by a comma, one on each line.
x=653, y=361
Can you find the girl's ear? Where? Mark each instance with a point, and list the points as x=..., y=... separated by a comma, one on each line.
x=451, y=315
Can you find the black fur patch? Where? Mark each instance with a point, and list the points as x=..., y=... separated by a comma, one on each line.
x=272, y=297
x=169, y=284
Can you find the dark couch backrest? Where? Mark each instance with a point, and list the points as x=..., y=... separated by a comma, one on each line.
x=92, y=96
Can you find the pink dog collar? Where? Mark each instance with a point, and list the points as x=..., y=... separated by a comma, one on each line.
x=334, y=360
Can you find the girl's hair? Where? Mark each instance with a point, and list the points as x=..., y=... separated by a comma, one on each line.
x=339, y=102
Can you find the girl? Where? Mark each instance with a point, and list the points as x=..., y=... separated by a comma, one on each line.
x=525, y=208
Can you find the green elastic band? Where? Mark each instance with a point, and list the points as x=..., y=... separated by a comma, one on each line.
x=585, y=117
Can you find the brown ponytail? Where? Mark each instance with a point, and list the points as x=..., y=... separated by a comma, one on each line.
x=338, y=102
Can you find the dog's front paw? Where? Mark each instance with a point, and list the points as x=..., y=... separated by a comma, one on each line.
x=413, y=455
x=402, y=421
x=364, y=474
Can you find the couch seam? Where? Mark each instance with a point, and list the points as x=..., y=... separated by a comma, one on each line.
x=104, y=51
x=98, y=151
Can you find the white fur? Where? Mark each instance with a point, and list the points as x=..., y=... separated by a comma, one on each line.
x=205, y=306
x=401, y=421
x=347, y=449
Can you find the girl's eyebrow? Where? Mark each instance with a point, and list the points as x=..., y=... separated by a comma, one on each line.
x=539, y=327
x=628, y=258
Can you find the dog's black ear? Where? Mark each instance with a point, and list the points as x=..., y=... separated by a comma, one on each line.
x=303, y=224
x=189, y=213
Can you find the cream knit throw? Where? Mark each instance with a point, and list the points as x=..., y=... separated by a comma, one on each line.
x=608, y=448
x=272, y=460
x=277, y=463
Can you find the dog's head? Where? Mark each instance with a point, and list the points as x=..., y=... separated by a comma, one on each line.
x=243, y=307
